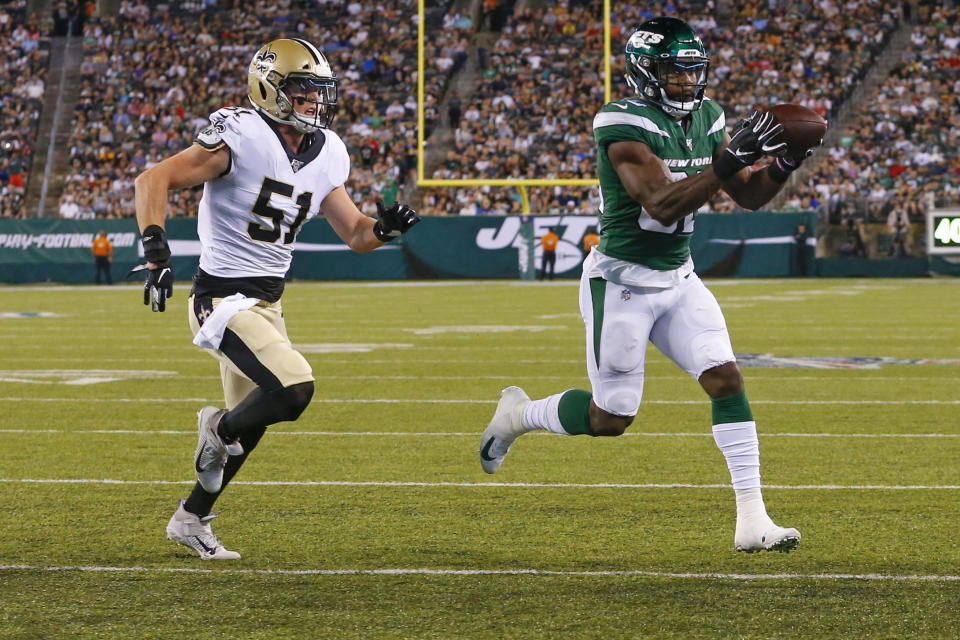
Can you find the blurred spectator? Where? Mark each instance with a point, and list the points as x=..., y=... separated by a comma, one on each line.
x=899, y=225
x=853, y=245
x=69, y=16
x=69, y=209
x=454, y=109
x=802, y=252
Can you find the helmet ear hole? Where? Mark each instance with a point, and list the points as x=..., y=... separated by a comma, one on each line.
x=263, y=91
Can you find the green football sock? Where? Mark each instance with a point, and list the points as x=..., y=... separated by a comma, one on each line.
x=574, y=410
x=732, y=408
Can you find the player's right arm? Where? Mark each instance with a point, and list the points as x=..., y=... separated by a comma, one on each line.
x=192, y=166
x=648, y=181
x=647, y=178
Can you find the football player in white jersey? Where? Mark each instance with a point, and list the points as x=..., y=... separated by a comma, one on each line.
x=266, y=171
x=661, y=155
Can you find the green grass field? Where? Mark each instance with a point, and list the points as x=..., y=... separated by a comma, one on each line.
x=371, y=518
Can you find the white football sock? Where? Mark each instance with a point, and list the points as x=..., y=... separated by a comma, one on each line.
x=741, y=448
x=739, y=445
x=544, y=415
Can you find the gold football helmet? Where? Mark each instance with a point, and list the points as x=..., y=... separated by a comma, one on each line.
x=288, y=69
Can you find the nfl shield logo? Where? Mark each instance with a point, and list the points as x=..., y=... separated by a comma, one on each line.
x=625, y=295
x=690, y=144
x=296, y=164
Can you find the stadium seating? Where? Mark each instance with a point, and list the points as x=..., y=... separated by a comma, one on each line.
x=532, y=93
x=150, y=83
x=153, y=72
x=899, y=151
x=24, y=66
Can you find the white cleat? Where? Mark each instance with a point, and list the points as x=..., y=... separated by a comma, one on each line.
x=504, y=428
x=212, y=451
x=772, y=538
x=193, y=531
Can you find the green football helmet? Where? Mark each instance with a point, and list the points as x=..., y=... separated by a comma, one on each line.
x=667, y=51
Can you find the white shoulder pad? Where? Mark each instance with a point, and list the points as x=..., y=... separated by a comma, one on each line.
x=222, y=123
x=210, y=138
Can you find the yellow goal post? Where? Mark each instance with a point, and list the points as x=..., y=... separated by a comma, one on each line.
x=520, y=184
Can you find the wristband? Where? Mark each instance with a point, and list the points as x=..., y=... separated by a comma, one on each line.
x=381, y=235
x=155, y=247
x=727, y=165
x=779, y=170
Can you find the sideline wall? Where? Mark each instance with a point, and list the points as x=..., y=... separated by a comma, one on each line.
x=727, y=245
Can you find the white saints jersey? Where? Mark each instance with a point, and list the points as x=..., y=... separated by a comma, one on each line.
x=249, y=217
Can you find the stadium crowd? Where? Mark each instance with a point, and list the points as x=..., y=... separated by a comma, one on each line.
x=27, y=54
x=529, y=116
x=153, y=73
x=901, y=151
x=811, y=54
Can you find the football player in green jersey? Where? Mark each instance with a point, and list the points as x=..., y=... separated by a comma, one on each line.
x=662, y=155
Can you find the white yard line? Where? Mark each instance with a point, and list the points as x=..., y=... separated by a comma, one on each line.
x=780, y=379
x=487, y=401
x=386, y=284
x=484, y=485
x=465, y=434
x=359, y=359
x=877, y=577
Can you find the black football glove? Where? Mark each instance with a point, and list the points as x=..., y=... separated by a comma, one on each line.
x=753, y=139
x=159, y=284
x=159, y=287
x=393, y=221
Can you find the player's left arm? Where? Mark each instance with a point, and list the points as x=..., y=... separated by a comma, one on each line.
x=752, y=189
x=362, y=233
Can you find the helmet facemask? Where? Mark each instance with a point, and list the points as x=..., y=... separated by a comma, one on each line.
x=298, y=90
x=685, y=76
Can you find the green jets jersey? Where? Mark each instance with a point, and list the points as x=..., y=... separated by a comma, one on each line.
x=628, y=231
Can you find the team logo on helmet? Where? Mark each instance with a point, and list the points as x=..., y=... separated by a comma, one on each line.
x=264, y=59
x=642, y=38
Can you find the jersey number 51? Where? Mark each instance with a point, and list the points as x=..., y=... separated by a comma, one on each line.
x=274, y=216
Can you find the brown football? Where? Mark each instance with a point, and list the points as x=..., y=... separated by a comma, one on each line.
x=802, y=128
